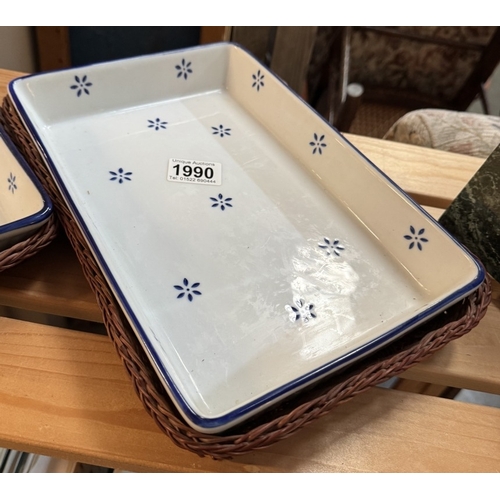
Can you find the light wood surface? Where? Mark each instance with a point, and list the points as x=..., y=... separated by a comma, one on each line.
x=471, y=362
x=5, y=77
x=65, y=393
x=52, y=282
x=430, y=176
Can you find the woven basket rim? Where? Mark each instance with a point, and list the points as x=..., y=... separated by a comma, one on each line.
x=291, y=415
x=24, y=249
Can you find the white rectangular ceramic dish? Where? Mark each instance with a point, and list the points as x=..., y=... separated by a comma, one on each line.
x=24, y=205
x=253, y=249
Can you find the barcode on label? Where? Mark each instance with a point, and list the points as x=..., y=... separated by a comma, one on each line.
x=194, y=172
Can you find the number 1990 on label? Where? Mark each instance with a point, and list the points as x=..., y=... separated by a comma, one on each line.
x=194, y=172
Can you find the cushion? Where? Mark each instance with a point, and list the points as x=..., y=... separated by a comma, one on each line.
x=458, y=132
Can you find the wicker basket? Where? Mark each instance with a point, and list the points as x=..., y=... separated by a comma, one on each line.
x=291, y=415
x=15, y=254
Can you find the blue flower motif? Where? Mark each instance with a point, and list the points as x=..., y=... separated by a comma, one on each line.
x=331, y=246
x=300, y=310
x=81, y=85
x=317, y=144
x=220, y=130
x=416, y=238
x=120, y=176
x=12, y=182
x=221, y=202
x=183, y=69
x=187, y=290
x=157, y=124
x=258, y=80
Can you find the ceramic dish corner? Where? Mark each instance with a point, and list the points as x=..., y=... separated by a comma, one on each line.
x=24, y=205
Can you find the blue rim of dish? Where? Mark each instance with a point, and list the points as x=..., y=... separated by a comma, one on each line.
x=45, y=212
x=238, y=415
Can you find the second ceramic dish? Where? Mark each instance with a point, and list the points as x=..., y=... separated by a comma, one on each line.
x=24, y=205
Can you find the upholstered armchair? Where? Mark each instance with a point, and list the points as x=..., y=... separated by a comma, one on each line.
x=431, y=72
x=458, y=132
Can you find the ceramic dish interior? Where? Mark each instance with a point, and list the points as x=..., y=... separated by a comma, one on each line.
x=253, y=248
x=24, y=205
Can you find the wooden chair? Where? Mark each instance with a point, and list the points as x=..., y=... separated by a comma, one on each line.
x=287, y=50
x=399, y=69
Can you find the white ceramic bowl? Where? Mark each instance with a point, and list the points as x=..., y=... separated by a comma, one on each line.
x=24, y=205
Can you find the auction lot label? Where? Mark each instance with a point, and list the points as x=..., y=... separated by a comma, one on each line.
x=194, y=172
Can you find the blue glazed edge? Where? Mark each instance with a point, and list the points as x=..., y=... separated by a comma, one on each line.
x=46, y=211
x=285, y=390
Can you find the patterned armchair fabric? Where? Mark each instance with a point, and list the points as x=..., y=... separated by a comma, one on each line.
x=457, y=132
x=430, y=69
x=414, y=71
x=379, y=60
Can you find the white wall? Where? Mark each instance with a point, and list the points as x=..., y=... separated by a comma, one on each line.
x=16, y=48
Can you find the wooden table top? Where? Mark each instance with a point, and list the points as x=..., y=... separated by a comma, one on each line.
x=64, y=392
